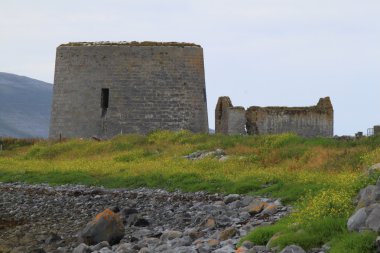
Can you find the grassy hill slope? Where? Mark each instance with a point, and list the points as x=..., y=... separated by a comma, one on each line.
x=319, y=176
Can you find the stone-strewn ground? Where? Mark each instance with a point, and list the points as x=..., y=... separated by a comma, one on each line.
x=40, y=218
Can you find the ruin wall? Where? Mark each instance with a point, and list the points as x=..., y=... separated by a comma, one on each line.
x=229, y=119
x=310, y=121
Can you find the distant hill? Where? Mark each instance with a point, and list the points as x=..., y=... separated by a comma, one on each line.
x=25, y=105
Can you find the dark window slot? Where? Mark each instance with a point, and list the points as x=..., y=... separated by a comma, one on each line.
x=105, y=98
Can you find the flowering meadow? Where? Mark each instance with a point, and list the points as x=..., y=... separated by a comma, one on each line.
x=318, y=177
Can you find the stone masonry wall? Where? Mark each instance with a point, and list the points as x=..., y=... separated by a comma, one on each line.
x=305, y=121
x=221, y=122
x=229, y=119
x=236, y=120
x=151, y=87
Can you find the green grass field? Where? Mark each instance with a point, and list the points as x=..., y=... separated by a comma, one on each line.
x=318, y=176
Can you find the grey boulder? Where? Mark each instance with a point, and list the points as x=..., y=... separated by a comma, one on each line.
x=357, y=221
x=365, y=218
x=225, y=249
x=82, y=248
x=373, y=219
x=368, y=196
x=293, y=249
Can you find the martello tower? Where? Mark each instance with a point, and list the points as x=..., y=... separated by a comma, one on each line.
x=105, y=89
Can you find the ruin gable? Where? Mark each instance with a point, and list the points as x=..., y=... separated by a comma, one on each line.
x=229, y=119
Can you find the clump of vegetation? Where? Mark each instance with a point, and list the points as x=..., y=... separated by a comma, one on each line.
x=318, y=176
x=12, y=143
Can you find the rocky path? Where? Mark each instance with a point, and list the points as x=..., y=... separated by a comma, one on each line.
x=40, y=218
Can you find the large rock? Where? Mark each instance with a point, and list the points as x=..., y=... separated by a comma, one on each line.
x=228, y=233
x=225, y=249
x=99, y=246
x=170, y=235
x=357, y=221
x=365, y=218
x=106, y=226
x=82, y=248
x=198, y=155
x=368, y=196
x=125, y=248
x=256, y=207
x=374, y=168
x=231, y=198
x=269, y=210
x=293, y=249
x=373, y=220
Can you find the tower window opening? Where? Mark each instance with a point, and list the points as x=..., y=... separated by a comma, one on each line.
x=104, y=100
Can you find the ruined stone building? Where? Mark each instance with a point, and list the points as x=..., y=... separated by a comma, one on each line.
x=104, y=89
x=310, y=121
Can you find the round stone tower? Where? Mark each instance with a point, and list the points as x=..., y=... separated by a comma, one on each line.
x=104, y=89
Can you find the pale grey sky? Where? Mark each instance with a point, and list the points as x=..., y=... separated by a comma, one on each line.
x=258, y=52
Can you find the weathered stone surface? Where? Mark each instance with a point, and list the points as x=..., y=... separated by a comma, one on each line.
x=231, y=198
x=99, y=246
x=82, y=248
x=210, y=223
x=373, y=219
x=213, y=242
x=259, y=248
x=52, y=238
x=227, y=233
x=221, y=123
x=105, y=250
x=198, y=155
x=357, y=221
x=228, y=119
x=367, y=217
x=241, y=249
x=293, y=249
x=125, y=248
x=225, y=249
x=367, y=196
x=149, y=87
x=106, y=226
x=304, y=121
x=269, y=210
x=248, y=244
x=256, y=207
x=170, y=235
x=145, y=250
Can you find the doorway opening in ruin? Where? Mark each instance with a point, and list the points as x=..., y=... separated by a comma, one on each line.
x=104, y=100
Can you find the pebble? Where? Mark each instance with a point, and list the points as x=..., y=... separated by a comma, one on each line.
x=50, y=218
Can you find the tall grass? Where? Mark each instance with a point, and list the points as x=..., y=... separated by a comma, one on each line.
x=318, y=176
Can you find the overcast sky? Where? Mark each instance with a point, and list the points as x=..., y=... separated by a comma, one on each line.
x=258, y=52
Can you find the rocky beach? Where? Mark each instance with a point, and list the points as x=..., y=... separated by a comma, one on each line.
x=41, y=218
